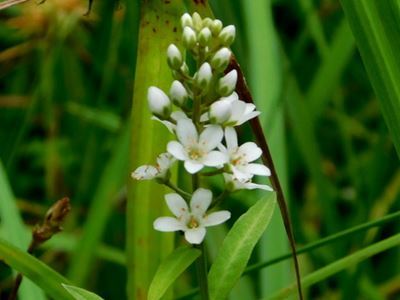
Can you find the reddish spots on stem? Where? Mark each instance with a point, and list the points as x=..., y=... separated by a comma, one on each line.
x=174, y=29
x=197, y=2
x=154, y=30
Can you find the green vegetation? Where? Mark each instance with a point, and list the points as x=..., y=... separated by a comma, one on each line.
x=74, y=122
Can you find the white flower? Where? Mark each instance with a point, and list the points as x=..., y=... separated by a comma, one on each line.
x=189, y=38
x=240, y=157
x=203, y=76
x=147, y=172
x=232, y=184
x=227, y=35
x=204, y=36
x=186, y=20
x=241, y=111
x=227, y=84
x=159, y=103
x=196, y=151
x=220, y=111
x=221, y=59
x=174, y=57
x=216, y=27
x=176, y=115
x=194, y=220
x=178, y=93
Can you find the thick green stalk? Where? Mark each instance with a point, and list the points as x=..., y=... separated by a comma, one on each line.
x=146, y=247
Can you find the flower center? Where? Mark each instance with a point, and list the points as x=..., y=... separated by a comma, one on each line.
x=238, y=159
x=195, y=153
x=193, y=223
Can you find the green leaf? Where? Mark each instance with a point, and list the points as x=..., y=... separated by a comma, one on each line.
x=375, y=28
x=45, y=277
x=170, y=269
x=15, y=231
x=81, y=294
x=237, y=247
x=340, y=265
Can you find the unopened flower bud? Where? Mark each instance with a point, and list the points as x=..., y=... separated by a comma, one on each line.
x=220, y=111
x=159, y=103
x=216, y=27
x=203, y=76
x=174, y=57
x=197, y=21
x=220, y=59
x=207, y=22
x=227, y=84
x=186, y=20
x=189, y=38
x=227, y=35
x=204, y=37
x=178, y=93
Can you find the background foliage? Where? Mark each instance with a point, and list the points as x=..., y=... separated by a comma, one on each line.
x=66, y=85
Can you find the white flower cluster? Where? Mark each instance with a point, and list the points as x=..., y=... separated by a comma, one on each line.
x=202, y=111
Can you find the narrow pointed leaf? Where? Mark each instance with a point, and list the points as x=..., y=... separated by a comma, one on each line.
x=81, y=294
x=38, y=272
x=237, y=247
x=375, y=25
x=340, y=265
x=170, y=269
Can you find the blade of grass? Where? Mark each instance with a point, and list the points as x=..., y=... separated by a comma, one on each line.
x=46, y=278
x=265, y=80
x=375, y=28
x=329, y=72
x=145, y=247
x=340, y=265
x=16, y=232
x=111, y=181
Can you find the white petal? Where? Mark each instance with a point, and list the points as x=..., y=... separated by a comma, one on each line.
x=211, y=137
x=178, y=115
x=252, y=186
x=250, y=150
x=167, y=224
x=170, y=126
x=177, y=150
x=231, y=98
x=176, y=204
x=216, y=218
x=145, y=173
x=195, y=235
x=164, y=161
x=200, y=202
x=257, y=169
x=214, y=159
x=238, y=109
x=193, y=166
x=240, y=175
x=247, y=117
x=186, y=132
x=231, y=138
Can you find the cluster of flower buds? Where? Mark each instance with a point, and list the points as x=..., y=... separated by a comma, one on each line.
x=202, y=110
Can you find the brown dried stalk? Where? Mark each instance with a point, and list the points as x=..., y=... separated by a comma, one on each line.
x=244, y=94
x=52, y=222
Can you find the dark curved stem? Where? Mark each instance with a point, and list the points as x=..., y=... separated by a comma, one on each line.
x=244, y=94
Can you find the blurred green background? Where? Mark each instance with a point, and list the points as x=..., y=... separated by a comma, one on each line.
x=66, y=84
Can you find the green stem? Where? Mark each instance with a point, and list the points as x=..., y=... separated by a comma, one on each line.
x=177, y=189
x=212, y=173
x=201, y=268
x=219, y=199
